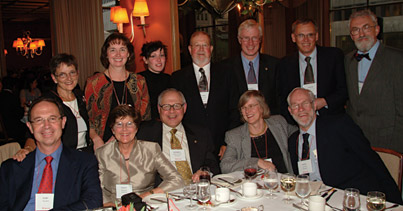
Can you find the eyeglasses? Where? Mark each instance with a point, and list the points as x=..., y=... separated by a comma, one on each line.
x=40, y=120
x=366, y=28
x=249, y=107
x=167, y=107
x=310, y=36
x=64, y=75
x=127, y=124
x=199, y=46
x=247, y=39
x=305, y=105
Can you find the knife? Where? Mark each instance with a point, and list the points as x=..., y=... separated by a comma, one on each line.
x=226, y=181
x=181, y=197
x=328, y=197
x=327, y=192
x=159, y=200
x=299, y=207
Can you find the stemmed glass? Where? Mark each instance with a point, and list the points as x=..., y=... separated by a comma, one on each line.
x=205, y=173
x=203, y=192
x=190, y=191
x=287, y=184
x=271, y=182
x=302, y=187
x=250, y=169
x=375, y=201
x=351, y=199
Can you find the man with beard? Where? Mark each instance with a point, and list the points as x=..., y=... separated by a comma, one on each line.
x=334, y=150
x=375, y=82
x=211, y=96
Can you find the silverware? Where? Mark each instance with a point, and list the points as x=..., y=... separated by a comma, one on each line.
x=393, y=206
x=159, y=200
x=226, y=181
x=181, y=197
x=328, y=197
x=333, y=208
x=299, y=207
x=219, y=203
x=327, y=192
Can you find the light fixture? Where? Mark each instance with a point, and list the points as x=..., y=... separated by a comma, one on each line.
x=141, y=10
x=119, y=16
x=27, y=46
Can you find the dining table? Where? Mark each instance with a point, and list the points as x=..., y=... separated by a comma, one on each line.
x=335, y=200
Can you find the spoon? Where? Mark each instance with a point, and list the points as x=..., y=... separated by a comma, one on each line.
x=393, y=206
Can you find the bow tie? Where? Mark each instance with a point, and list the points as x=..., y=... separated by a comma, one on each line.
x=359, y=56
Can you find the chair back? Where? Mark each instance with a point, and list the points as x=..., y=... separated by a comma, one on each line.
x=394, y=163
x=8, y=150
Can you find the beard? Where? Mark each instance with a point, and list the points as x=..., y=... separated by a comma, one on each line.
x=304, y=123
x=364, y=45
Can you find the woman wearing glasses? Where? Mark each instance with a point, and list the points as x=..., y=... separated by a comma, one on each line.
x=131, y=164
x=262, y=140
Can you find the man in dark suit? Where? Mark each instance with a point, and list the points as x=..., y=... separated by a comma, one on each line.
x=319, y=69
x=52, y=176
x=195, y=141
x=212, y=97
x=374, y=75
x=334, y=150
x=263, y=76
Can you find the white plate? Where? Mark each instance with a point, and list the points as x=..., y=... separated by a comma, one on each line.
x=224, y=204
x=227, y=177
x=257, y=196
x=153, y=203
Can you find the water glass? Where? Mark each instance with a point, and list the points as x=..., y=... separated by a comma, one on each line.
x=376, y=201
x=203, y=192
x=302, y=187
x=351, y=199
x=190, y=192
x=271, y=182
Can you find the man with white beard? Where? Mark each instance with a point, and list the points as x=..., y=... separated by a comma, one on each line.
x=374, y=76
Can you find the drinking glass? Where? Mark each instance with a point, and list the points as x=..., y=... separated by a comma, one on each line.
x=271, y=182
x=250, y=170
x=302, y=187
x=351, y=199
x=203, y=192
x=190, y=192
x=375, y=201
x=287, y=182
x=205, y=173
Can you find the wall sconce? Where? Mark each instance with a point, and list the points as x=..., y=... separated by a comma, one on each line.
x=141, y=10
x=27, y=46
x=119, y=16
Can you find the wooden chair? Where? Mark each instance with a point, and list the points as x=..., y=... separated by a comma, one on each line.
x=8, y=150
x=394, y=163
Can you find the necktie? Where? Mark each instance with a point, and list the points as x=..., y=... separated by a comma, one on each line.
x=181, y=166
x=305, y=147
x=360, y=56
x=308, y=79
x=46, y=185
x=251, y=74
x=203, y=84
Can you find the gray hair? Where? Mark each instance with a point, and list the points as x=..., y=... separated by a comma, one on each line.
x=247, y=24
x=170, y=90
x=310, y=94
x=362, y=13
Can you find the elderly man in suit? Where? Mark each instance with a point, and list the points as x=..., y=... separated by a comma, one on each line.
x=254, y=70
x=196, y=148
x=319, y=69
x=375, y=83
x=52, y=176
x=334, y=150
x=209, y=90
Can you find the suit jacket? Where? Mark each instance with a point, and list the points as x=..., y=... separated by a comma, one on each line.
x=331, y=80
x=346, y=159
x=378, y=110
x=77, y=184
x=267, y=78
x=221, y=113
x=239, y=144
x=199, y=142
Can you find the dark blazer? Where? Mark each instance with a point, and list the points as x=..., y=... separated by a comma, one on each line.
x=199, y=142
x=77, y=183
x=378, y=110
x=331, y=80
x=346, y=159
x=267, y=78
x=221, y=113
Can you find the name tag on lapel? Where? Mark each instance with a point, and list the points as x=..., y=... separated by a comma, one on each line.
x=44, y=201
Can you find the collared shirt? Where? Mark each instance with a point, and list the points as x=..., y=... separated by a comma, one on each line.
x=206, y=69
x=365, y=64
x=303, y=64
x=313, y=155
x=245, y=64
x=40, y=164
x=166, y=142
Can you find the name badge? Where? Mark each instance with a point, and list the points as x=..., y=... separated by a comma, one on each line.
x=122, y=189
x=177, y=155
x=204, y=97
x=44, y=201
x=311, y=87
x=360, y=85
x=253, y=87
x=305, y=166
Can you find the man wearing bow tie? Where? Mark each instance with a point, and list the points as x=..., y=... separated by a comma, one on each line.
x=374, y=76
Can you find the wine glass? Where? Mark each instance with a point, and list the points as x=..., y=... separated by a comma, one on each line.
x=205, y=173
x=375, y=201
x=250, y=170
x=351, y=199
x=287, y=182
x=271, y=182
x=203, y=192
x=190, y=191
x=302, y=187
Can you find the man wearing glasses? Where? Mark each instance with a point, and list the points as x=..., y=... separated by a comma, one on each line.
x=52, y=176
x=319, y=69
x=374, y=74
x=187, y=146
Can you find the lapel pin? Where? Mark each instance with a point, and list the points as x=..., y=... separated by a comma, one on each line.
x=266, y=68
x=195, y=141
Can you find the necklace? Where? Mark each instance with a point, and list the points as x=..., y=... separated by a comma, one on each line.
x=124, y=99
x=261, y=132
